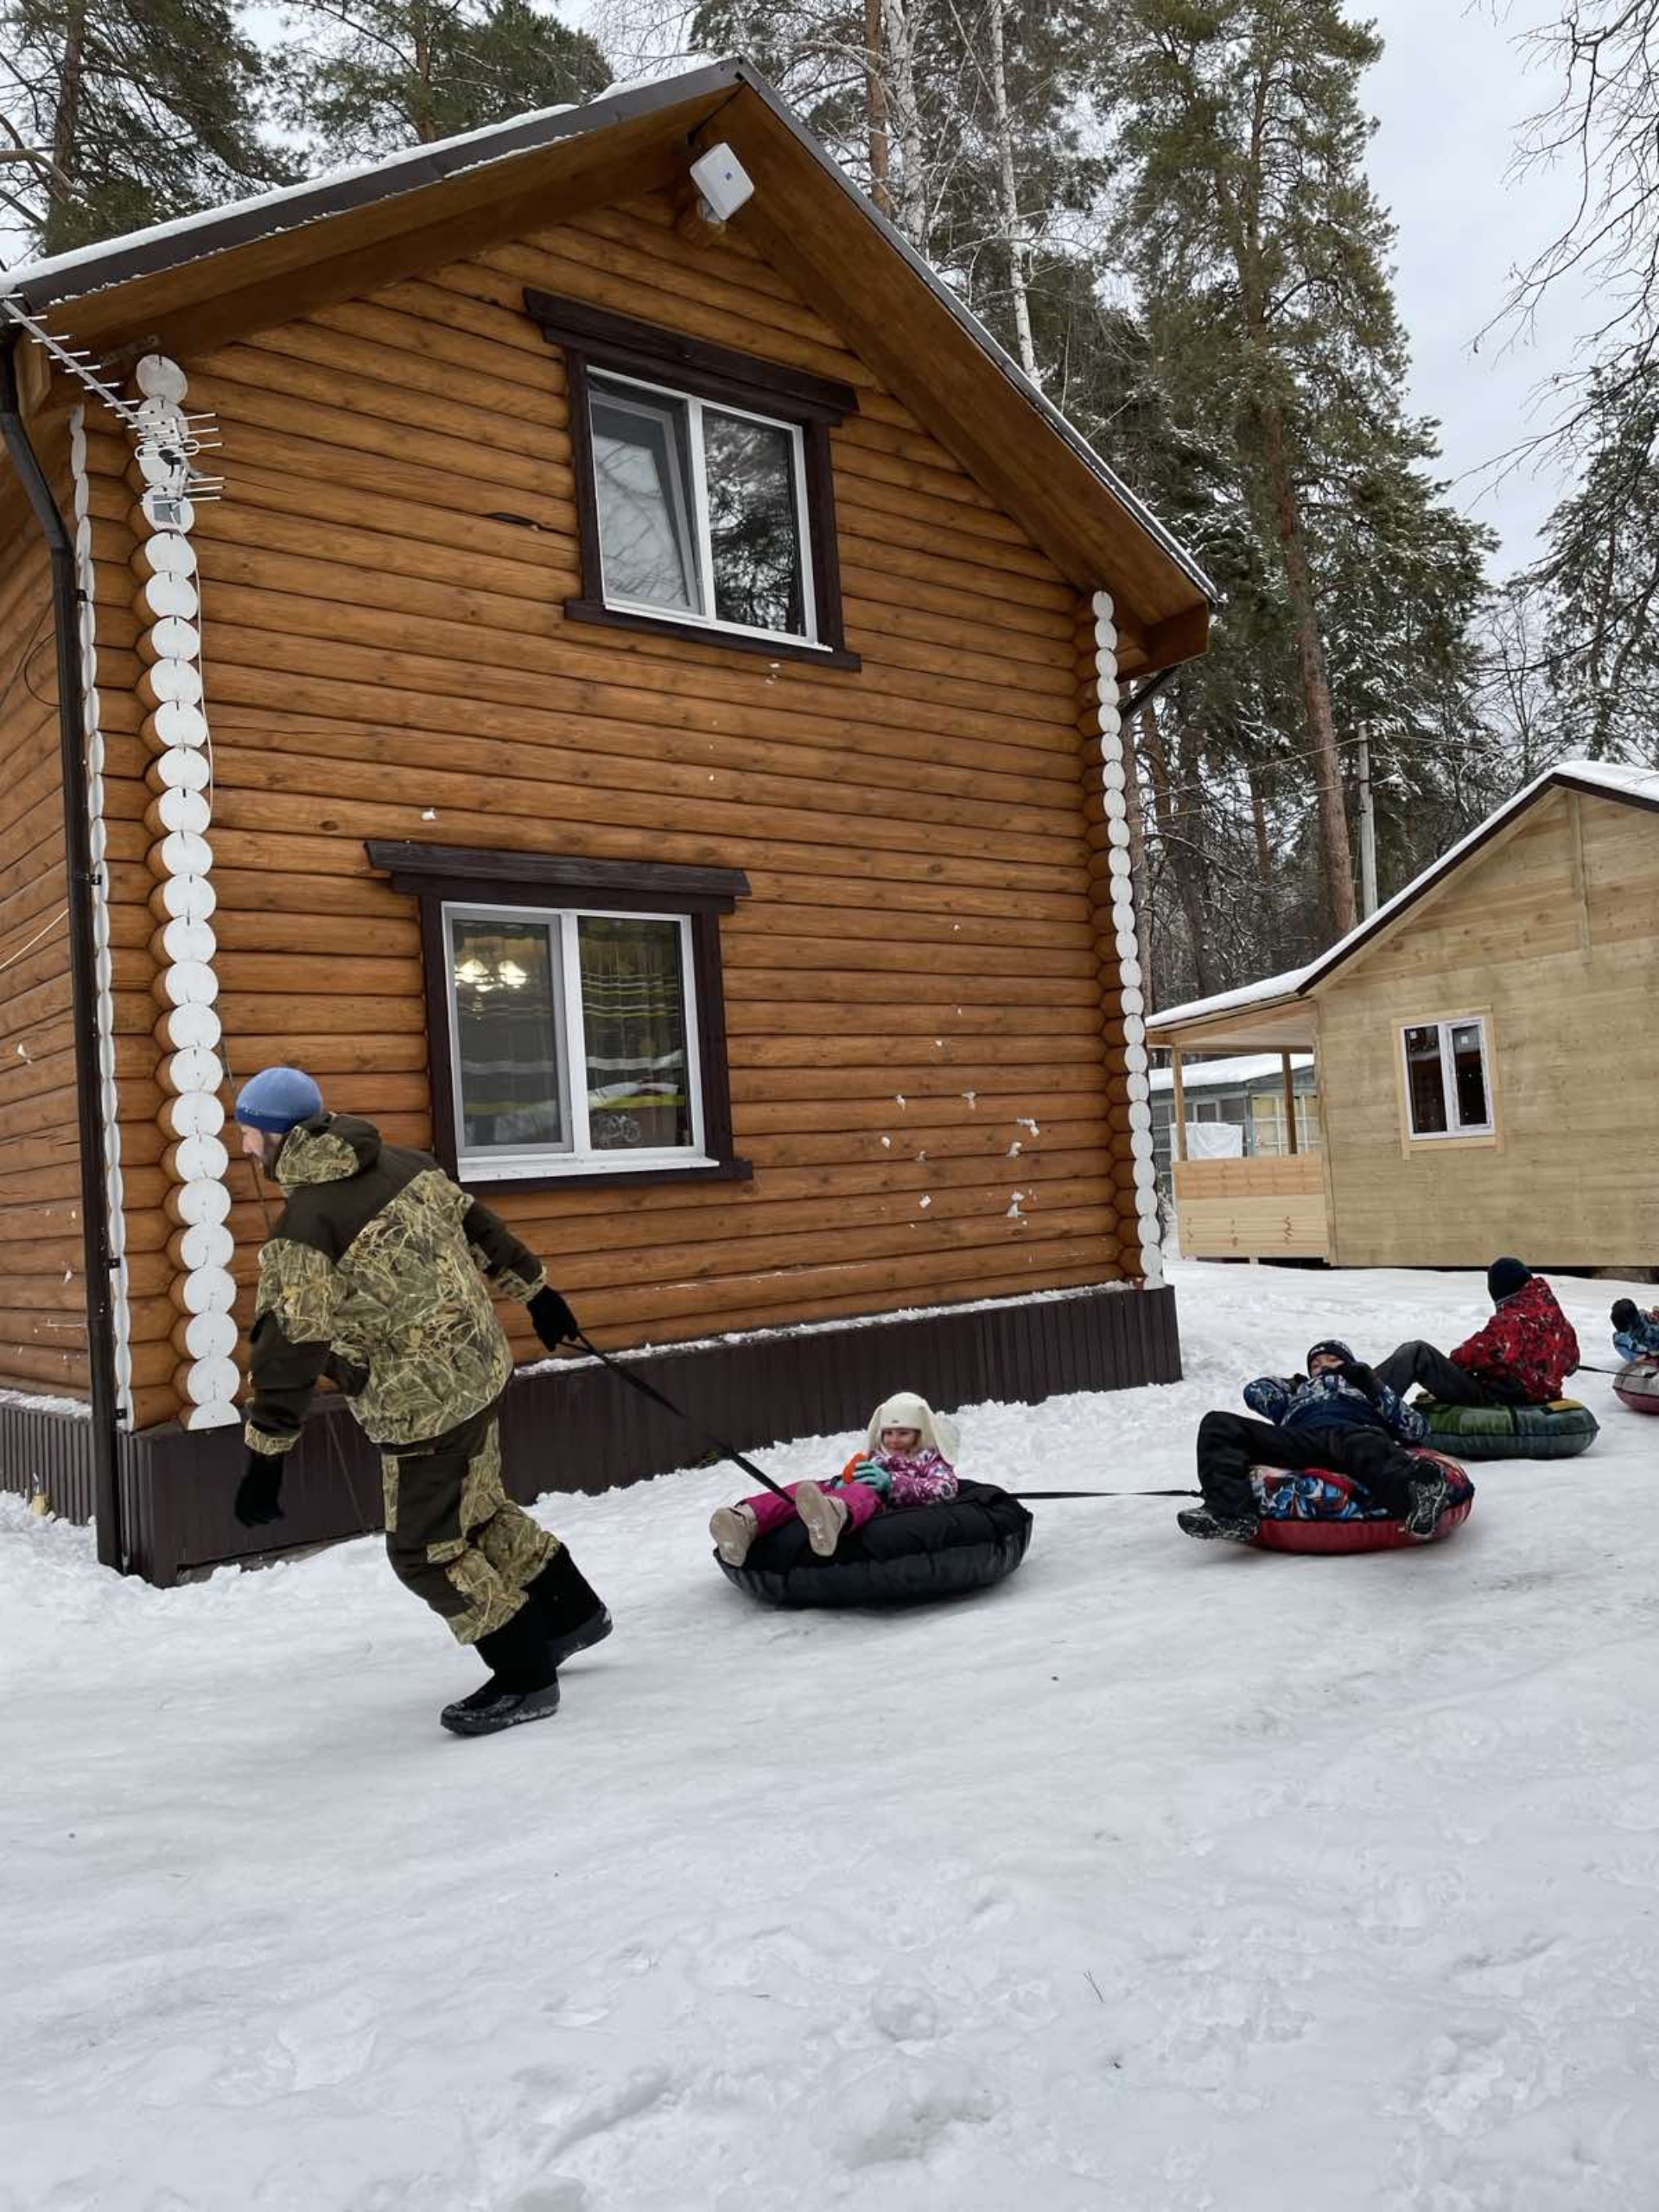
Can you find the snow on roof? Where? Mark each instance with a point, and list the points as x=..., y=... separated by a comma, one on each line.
x=1270, y=987
x=1225, y=1074
x=1608, y=777
x=432, y=158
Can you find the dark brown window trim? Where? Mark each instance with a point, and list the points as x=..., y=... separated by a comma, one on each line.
x=730, y=1170
x=621, y=342
x=671, y=882
x=699, y=633
x=594, y=337
x=458, y=874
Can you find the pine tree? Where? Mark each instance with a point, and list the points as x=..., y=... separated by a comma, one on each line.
x=141, y=111
x=1599, y=580
x=388, y=74
x=1259, y=253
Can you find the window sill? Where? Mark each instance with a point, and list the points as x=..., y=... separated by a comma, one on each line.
x=1487, y=1141
x=485, y=1181
x=707, y=633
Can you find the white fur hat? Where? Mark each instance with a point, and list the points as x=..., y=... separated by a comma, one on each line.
x=905, y=1411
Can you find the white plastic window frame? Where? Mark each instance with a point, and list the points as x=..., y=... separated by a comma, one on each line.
x=579, y=1157
x=599, y=379
x=1456, y=1130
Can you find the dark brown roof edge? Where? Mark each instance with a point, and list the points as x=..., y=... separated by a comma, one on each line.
x=149, y=253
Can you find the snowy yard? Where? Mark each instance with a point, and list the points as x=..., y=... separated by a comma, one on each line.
x=1166, y=1877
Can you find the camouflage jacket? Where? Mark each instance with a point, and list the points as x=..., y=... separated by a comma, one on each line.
x=379, y=1276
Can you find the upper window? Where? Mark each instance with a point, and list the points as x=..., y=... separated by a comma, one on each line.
x=1448, y=1083
x=705, y=490
x=574, y=1014
x=701, y=510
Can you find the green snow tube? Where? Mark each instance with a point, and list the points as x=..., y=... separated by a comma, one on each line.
x=1559, y=1430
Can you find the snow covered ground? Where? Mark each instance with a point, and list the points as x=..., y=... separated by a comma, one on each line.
x=1166, y=1878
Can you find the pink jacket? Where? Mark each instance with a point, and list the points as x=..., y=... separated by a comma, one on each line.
x=924, y=1477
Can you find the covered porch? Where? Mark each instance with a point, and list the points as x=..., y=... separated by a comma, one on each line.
x=1266, y=1207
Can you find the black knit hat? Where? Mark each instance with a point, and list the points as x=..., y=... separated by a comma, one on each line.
x=1505, y=1277
x=1333, y=1345
x=1625, y=1313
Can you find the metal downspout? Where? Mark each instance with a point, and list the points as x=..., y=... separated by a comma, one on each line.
x=96, y=1258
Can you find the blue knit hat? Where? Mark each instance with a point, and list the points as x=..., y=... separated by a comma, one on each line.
x=277, y=1100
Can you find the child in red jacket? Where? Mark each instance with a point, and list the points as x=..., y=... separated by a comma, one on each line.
x=1521, y=1356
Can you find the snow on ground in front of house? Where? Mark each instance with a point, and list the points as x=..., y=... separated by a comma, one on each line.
x=1166, y=1877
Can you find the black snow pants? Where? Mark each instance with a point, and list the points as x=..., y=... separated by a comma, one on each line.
x=1229, y=1444
x=1432, y=1370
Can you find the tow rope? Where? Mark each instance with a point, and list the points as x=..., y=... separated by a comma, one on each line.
x=740, y=1459
x=660, y=1398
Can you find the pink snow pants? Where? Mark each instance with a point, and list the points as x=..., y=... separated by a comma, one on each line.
x=770, y=1511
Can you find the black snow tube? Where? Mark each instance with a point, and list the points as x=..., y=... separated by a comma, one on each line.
x=904, y=1556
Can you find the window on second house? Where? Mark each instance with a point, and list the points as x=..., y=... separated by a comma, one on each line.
x=702, y=509
x=574, y=1040
x=1448, y=1080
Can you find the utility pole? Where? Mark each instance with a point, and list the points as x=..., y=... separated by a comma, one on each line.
x=1367, y=830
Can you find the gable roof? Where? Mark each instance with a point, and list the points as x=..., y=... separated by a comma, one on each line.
x=1598, y=779
x=206, y=277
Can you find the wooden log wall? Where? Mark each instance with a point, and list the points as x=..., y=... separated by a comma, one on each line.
x=42, y=1307
x=926, y=1051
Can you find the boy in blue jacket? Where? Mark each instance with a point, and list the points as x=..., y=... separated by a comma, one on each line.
x=1636, y=1334
x=1337, y=1416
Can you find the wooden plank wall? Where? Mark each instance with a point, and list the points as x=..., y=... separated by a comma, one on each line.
x=42, y=1310
x=1268, y=1207
x=914, y=990
x=1567, y=979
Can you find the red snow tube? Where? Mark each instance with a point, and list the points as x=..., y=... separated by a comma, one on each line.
x=1637, y=1385
x=1319, y=1511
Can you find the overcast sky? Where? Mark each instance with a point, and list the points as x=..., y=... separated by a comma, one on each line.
x=1448, y=97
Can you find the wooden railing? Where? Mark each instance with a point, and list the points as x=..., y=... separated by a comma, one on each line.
x=1270, y=1208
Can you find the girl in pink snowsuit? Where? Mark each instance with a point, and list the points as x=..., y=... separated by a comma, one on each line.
x=903, y=1463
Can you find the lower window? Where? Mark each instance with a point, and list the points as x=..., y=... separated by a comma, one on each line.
x=1448, y=1079
x=574, y=1041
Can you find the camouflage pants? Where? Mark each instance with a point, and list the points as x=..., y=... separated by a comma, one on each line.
x=453, y=1535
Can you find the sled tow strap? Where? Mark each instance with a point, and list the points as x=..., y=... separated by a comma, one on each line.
x=1024, y=1495
x=738, y=1459
x=649, y=1390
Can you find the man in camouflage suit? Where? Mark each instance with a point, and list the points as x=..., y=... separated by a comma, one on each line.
x=379, y=1276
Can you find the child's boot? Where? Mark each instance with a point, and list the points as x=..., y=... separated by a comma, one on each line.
x=1231, y=1528
x=826, y=1515
x=1430, y=1496
x=734, y=1529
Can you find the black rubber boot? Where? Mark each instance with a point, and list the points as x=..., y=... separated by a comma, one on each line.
x=524, y=1683
x=568, y=1608
x=1203, y=1521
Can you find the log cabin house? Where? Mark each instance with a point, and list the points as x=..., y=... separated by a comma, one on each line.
x=1485, y=1061
x=642, y=720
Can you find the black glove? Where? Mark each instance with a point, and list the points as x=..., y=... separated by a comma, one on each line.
x=553, y=1322
x=259, y=1493
x=1361, y=1378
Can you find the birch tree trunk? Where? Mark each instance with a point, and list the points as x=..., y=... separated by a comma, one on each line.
x=897, y=38
x=1014, y=227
